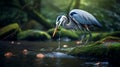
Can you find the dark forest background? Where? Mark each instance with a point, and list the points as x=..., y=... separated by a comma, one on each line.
x=17, y=16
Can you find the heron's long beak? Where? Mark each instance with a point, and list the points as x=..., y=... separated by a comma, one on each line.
x=55, y=30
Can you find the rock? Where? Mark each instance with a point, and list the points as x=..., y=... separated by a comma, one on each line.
x=33, y=35
x=9, y=32
x=107, y=39
x=114, y=34
x=8, y=54
x=105, y=35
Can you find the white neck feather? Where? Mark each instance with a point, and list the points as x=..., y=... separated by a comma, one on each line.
x=68, y=24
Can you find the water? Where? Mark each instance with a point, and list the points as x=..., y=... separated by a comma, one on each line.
x=41, y=54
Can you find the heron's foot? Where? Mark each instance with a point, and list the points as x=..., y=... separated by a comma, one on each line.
x=79, y=42
x=83, y=39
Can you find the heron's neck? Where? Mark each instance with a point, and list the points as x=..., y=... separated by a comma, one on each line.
x=68, y=24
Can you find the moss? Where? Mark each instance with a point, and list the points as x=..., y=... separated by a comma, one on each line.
x=64, y=33
x=98, y=50
x=108, y=39
x=33, y=35
x=115, y=34
x=102, y=35
x=11, y=29
x=107, y=44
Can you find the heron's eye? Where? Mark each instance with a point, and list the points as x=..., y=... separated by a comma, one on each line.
x=58, y=18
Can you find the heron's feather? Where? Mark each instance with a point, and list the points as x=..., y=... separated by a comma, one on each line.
x=83, y=17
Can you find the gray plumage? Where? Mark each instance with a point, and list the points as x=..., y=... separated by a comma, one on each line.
x=83, y=17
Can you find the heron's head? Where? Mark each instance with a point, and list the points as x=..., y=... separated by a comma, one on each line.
x=59, y=20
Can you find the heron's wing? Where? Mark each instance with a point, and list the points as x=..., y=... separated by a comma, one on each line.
x=92, y=20
x=83, y=17
x=79, y=18
x=96, y=23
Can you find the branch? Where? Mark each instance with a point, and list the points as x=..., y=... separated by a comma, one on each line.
x=35, y=15
x=77, y=4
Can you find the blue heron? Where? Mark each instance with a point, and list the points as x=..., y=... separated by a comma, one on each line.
x=77, y=19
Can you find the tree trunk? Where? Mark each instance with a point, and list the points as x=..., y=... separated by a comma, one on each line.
x=35, y=15
x=69, y=6
x=77, y=4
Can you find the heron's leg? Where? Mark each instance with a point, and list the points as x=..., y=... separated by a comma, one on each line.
x=59, y=42
x=75, y=28
x=90, y=35
x=83, y=34
x=85, y=39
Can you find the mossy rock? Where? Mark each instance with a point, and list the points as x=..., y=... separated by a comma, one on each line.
x=115, y=34
x=100, y=51
x=105, y=48
x=102, y=35
x=105, y=37
x=64, y=33
x=102, y=48
x=108, y=39
x=96, y=51
x=9, y=32
x=33, y=35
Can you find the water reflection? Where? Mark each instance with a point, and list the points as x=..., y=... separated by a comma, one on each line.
x=56, y=62
x=54, y=59
x=28, y=54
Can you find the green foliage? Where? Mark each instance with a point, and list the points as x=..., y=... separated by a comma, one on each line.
x=64, y=33
x=9, y=15
x=99, y=3
x=97, y=36
x=33, y=35
x=107, y=12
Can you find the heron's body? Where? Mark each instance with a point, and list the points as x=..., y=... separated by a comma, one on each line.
x=84, y=18
x=79, y=19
